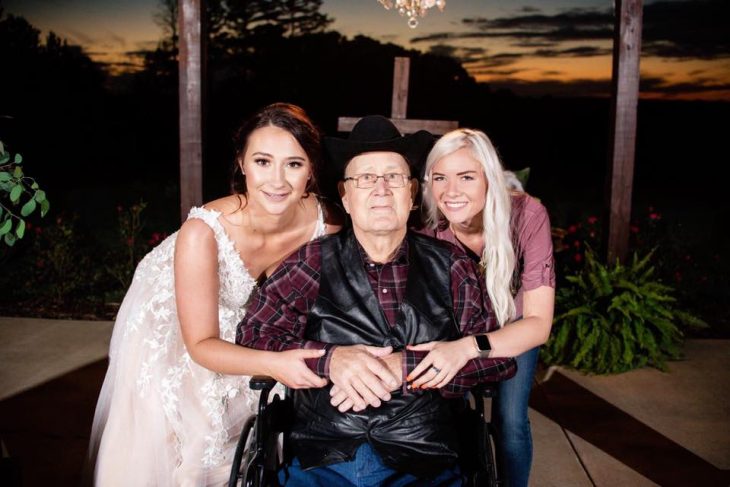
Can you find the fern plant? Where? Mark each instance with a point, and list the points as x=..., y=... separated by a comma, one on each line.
x=615, y=319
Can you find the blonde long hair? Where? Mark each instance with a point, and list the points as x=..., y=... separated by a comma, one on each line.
x=498, y=257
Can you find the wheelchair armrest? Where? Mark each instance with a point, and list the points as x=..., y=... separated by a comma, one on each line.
x=261, y=383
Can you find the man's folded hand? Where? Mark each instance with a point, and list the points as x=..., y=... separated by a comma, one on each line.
x=361, y=373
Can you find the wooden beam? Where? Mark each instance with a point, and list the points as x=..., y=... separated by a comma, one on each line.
x=401, y=70
x=191, y=104
x=406, y=126
x=625, y=92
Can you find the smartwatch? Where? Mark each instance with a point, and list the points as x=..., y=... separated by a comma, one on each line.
x=483, y=345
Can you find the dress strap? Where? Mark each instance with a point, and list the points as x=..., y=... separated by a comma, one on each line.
x=321, y=227
x=210, y=217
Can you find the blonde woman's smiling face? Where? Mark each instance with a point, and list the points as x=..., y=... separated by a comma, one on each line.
x=458, y=186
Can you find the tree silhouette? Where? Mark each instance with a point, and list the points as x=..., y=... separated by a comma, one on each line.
x=300, y=17
x=166, y=18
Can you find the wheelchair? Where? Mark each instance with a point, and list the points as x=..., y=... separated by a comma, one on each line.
x=260, y=454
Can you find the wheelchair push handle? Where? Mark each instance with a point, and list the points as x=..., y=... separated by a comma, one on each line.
x=261, y=383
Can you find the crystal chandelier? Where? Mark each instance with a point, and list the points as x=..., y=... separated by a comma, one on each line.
x=413, y=8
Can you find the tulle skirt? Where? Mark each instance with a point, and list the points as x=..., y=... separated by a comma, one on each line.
x=161, y=419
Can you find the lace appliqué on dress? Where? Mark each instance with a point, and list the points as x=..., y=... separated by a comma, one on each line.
x=166, y=355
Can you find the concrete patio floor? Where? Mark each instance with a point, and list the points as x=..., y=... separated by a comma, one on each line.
x=635, y=429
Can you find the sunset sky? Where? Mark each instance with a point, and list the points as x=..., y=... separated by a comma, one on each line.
x=533, y=47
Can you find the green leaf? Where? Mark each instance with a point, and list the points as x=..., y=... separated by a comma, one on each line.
x=15, y=193
x=28, y=208
x=40, y=196
x=9, y=239
x=45, y=205
x=18, y=172
x=18, y=159
x=34, y=185
x=6, y=226
x=4, y=157
x=20, y=229
x=5, y=176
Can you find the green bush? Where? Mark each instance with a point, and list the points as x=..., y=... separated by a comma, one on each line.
x=128, y=248
x=20, y=195
x=615, y=319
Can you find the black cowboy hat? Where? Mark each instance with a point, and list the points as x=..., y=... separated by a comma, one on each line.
x=376, y=133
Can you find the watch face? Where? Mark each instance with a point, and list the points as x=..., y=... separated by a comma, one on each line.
x=483, y=343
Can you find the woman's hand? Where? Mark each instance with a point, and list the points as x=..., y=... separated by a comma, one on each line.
x=290, y=369
x=443, y=362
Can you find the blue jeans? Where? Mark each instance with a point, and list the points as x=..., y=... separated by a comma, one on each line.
x=509, y=415
x=365, y=470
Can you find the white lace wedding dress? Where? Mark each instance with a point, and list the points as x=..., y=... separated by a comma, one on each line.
x=162, y=419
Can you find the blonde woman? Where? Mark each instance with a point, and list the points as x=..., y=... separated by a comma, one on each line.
x=468, y=203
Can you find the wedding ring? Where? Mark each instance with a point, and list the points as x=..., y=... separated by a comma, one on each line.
x=435, y=369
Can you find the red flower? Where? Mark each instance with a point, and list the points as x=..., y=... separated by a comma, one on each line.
x=592, y=219
x=572, y=229
x=38, y=230
x=578, y=258
x=576, y=244
x=655, y=216
x=634, y=229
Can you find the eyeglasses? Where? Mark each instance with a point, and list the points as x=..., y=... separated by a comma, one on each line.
x=368, y=180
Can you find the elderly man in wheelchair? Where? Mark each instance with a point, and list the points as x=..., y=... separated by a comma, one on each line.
x=363, y=296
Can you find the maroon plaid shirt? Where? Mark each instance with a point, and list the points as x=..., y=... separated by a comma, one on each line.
x=277, y=315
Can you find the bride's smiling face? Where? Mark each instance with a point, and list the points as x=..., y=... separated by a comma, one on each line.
x=277, y=169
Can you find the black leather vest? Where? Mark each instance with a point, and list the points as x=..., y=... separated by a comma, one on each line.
x=413, y=433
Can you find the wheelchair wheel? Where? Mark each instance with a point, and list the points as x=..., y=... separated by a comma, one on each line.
x=257, y=457
x=480, y=460
x=241, y=447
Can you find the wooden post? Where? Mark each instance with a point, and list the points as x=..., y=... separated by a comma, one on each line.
x=625, y=92
x=191, y=104
x=401, y=70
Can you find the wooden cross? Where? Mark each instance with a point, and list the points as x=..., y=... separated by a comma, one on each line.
x=401, y=71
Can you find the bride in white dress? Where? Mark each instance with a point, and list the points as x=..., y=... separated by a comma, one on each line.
x=176, y=393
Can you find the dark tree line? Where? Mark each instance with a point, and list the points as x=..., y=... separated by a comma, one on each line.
x=120, y=132
x=95, y=140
